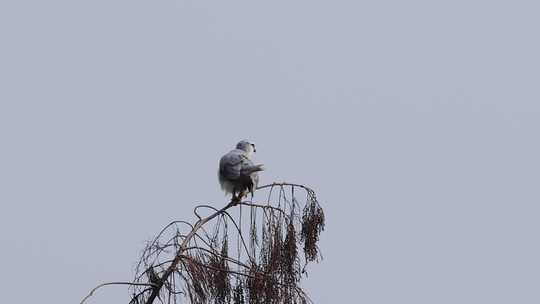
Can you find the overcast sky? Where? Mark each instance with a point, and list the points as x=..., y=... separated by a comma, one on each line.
x=417, y=123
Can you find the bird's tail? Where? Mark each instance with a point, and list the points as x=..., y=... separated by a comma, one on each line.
x=255, y=168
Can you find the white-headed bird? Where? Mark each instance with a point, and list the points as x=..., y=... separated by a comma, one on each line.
x=237, y=173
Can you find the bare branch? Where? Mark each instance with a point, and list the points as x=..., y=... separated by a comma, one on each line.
x=115, y=283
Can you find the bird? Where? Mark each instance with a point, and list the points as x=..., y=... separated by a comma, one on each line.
x=237, y=173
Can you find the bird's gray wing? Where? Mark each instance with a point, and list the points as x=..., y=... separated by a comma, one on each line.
x=230, y=166
x=235, y=164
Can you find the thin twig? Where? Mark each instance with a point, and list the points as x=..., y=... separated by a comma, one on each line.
x=115, y=283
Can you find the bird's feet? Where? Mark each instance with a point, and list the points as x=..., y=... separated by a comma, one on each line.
x=236, y=199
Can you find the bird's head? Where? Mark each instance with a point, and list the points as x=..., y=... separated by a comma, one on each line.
x=246, y=146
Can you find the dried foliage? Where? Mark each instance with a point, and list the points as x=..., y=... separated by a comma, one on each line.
x=312, y=226
x=249, y=254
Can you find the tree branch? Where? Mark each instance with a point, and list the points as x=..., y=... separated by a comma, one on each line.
x=115, y=283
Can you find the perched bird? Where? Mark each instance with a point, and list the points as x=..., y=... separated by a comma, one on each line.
x=237, y=173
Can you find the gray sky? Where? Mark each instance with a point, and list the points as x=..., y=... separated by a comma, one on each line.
x=417, y=123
